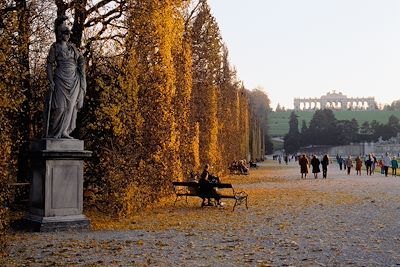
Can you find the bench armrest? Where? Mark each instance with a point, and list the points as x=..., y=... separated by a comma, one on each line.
x=240, y=195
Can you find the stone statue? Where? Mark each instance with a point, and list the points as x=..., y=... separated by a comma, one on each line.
x=66, y=75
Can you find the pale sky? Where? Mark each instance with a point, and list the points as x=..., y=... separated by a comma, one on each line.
x=306, y=48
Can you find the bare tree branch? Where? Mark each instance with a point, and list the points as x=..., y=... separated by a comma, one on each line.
x=193, y=11
x=96, y=20
x=99, y=5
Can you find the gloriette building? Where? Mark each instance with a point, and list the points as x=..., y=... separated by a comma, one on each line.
x=337, y=101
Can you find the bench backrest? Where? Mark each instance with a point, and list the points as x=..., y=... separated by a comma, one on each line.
x=223, y=185
x=195, y=184
x=189, y=184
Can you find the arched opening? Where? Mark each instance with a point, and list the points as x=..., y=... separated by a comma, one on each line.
x=328, y=105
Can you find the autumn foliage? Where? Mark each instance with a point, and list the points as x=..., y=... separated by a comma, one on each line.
x=162, y=100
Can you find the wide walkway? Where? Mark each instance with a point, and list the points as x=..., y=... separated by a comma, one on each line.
x=341, y=221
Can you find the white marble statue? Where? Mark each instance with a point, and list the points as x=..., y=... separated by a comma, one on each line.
x=66, y=75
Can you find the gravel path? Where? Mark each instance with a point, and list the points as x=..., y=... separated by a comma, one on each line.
x=341, y=221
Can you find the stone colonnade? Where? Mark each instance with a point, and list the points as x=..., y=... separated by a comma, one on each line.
x=335, y=101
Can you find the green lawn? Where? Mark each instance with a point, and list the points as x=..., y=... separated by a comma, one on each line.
x=279, y=121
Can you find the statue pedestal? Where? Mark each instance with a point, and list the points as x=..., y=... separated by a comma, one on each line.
x=56, y=192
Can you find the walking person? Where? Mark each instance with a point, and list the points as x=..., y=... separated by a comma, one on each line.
x=324, y=164
x=304, y=163
x=286, y=158
x=373, y=164
x=340, y=161
x=344, y=165
x=349, y=164
x=381, y=165
x=387, y=161
x=315, y=166
x=368, y=164
x=395, y=165
x=358, y=165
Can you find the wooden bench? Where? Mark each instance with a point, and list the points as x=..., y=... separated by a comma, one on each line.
x=191, y=189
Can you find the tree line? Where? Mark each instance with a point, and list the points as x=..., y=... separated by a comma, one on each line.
x=162, y=98
x=325, y=129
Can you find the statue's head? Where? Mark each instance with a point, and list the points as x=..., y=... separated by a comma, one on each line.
x=61, y=29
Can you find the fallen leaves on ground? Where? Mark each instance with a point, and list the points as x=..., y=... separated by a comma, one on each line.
x=289, y=222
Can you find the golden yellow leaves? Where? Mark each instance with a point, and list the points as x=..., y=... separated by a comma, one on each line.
x=153, y=122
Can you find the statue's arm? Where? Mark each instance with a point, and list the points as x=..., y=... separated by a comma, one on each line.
x=82, y=70
x=81, y=65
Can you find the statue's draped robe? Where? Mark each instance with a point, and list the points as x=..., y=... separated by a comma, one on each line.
x=69, y=88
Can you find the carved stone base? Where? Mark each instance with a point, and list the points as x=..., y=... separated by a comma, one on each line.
x=56, y=192
x=57, y=223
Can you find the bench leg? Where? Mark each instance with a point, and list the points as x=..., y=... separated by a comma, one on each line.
x=177, y=197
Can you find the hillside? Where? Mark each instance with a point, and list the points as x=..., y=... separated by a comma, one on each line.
x=279, y=121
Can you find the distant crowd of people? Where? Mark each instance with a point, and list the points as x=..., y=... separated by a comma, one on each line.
x=384, y=163
x=316, y=164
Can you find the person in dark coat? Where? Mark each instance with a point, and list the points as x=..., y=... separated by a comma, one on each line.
x=315, y=166
x=206, y=188
x=368, y=164
x=304, y=163
x=358, y=165
x=325, y=163
x=341, y=162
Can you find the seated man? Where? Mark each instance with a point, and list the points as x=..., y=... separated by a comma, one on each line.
x=233, y=168
x=206, y=189
x=243, y=168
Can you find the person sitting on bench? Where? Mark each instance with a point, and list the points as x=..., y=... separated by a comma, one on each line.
x=242, y=167
x=206, y=189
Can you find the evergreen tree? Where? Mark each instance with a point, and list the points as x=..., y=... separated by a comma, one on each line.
x=323, y=128
x=303, y=127
x=293, y=124
x=394, y=124
x=365, y=128
x=292, y=139
x=348, y=131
